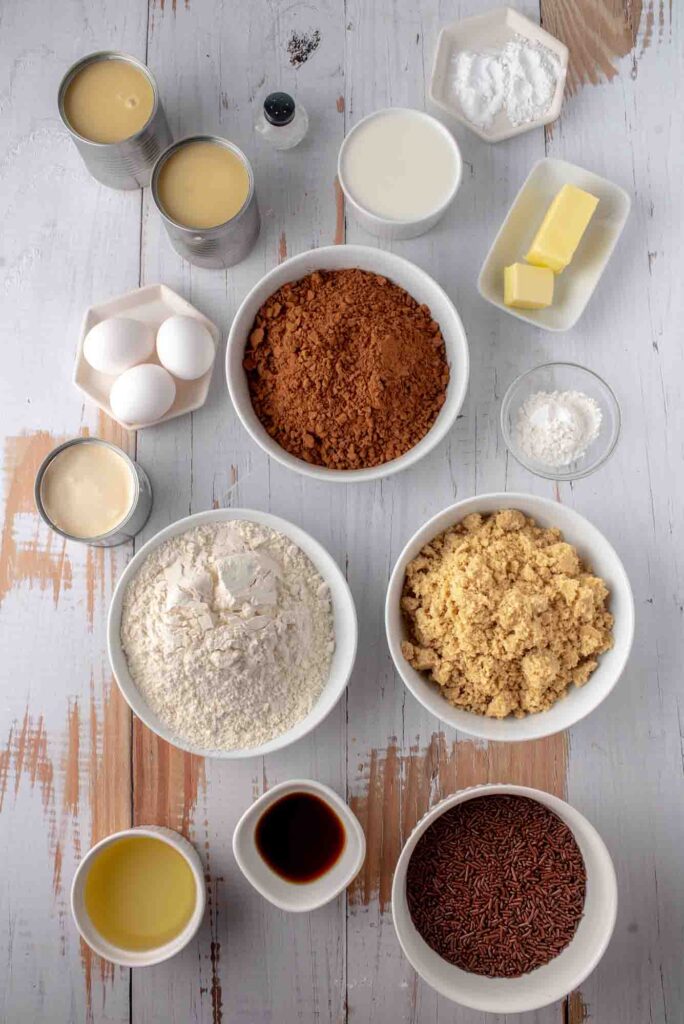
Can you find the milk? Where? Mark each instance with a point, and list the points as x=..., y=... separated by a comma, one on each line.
x=400, y=165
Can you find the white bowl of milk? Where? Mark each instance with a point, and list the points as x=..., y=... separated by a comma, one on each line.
x=399, y=170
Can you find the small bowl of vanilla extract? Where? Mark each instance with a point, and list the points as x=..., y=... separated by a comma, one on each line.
x=299, y=845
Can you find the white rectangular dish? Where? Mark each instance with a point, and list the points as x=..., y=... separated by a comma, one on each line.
x=152, y=305
x=575, y=286
x=483, y=33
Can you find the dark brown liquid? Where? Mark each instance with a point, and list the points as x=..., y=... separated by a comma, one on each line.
x=300, y=837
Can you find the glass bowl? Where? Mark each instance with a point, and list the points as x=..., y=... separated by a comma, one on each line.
x=562, y=377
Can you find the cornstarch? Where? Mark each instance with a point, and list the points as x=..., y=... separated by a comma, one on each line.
x=557, y=427
x=228, y=634
x=520, y=79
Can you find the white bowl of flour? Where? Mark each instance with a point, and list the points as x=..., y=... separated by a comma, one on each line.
x=232, y=633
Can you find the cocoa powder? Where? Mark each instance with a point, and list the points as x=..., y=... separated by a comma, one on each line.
x=345, y=369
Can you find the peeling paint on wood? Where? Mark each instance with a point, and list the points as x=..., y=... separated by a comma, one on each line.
x=166, y=781
x=71, y=764
x=29, y=552
x=394, y=790
x=598, y=33
x=578, y=1012
x=109, y=769
x=339, y=207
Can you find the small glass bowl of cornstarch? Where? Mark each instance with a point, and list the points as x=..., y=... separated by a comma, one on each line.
x=560, y=421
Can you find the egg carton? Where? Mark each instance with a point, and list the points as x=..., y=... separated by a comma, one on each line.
x=151, y=305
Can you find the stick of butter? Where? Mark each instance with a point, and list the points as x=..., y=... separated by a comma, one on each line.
x=528, y=287
x=561, y=230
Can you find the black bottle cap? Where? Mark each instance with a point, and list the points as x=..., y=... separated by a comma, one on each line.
x=279, y=109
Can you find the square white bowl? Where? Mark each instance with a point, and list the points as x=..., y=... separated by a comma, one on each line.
x=152, y=305
x=575, y=286
x=491, y=31
x=299, y=897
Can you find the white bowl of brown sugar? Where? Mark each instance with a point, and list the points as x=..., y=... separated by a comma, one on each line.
x=509, y=616
x=504, y=898
x=347, y=363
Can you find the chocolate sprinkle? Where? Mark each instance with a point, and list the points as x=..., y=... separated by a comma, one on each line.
x=301, y=46
x=496, y=886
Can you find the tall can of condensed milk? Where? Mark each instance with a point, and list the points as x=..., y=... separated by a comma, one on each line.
x=203, y=187
x=109, y=103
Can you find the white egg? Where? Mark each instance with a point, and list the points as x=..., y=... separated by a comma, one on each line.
x=118, y=343
x=185, y=347
x=142, y=394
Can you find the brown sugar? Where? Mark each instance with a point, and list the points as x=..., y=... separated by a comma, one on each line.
x=503, y=615
x=345, y=369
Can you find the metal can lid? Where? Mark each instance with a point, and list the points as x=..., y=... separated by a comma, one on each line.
x=279, y=109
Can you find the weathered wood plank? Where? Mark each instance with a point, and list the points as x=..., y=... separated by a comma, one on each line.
x=64, y=766
x=625, y=767
x=256, y=963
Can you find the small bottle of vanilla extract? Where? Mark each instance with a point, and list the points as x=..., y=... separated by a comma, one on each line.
x=282, y=122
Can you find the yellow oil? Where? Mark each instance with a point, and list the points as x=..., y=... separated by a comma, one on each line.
x=140, y=893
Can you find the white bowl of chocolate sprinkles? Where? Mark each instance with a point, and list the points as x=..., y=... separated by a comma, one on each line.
x=557, y=870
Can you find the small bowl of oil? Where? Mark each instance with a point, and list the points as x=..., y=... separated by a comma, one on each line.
x=138, y=896
x=299, y=845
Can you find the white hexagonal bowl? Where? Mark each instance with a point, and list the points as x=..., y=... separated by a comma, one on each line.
x=152, y=305
x=486, y=32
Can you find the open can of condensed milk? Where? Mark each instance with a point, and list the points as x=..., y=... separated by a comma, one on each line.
x=89, y=490
x=217, y=245
x=109, y=103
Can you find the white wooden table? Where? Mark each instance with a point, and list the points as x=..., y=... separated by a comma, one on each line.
x=74, y=765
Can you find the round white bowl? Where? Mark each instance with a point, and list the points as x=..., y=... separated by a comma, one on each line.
x=147, y=957
x=299, y=897
x=344, y=617
x=548, y=983
x=342, y=257
x=580, y=701
x=390, y=229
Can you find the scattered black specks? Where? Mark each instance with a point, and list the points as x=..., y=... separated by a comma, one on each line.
x=301, y=45
x=651, y=258
x=417, y=38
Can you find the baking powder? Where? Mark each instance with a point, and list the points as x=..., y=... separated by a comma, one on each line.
x=520, y=79
x=557, y=427
x=228, y=633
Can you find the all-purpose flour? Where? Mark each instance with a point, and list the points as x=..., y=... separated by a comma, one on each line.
x=228, y=633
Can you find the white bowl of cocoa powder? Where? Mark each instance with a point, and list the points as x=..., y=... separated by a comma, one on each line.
x=356, y=412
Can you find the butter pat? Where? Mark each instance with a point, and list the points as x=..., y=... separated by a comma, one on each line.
x=528, y=287
x=561, y=230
